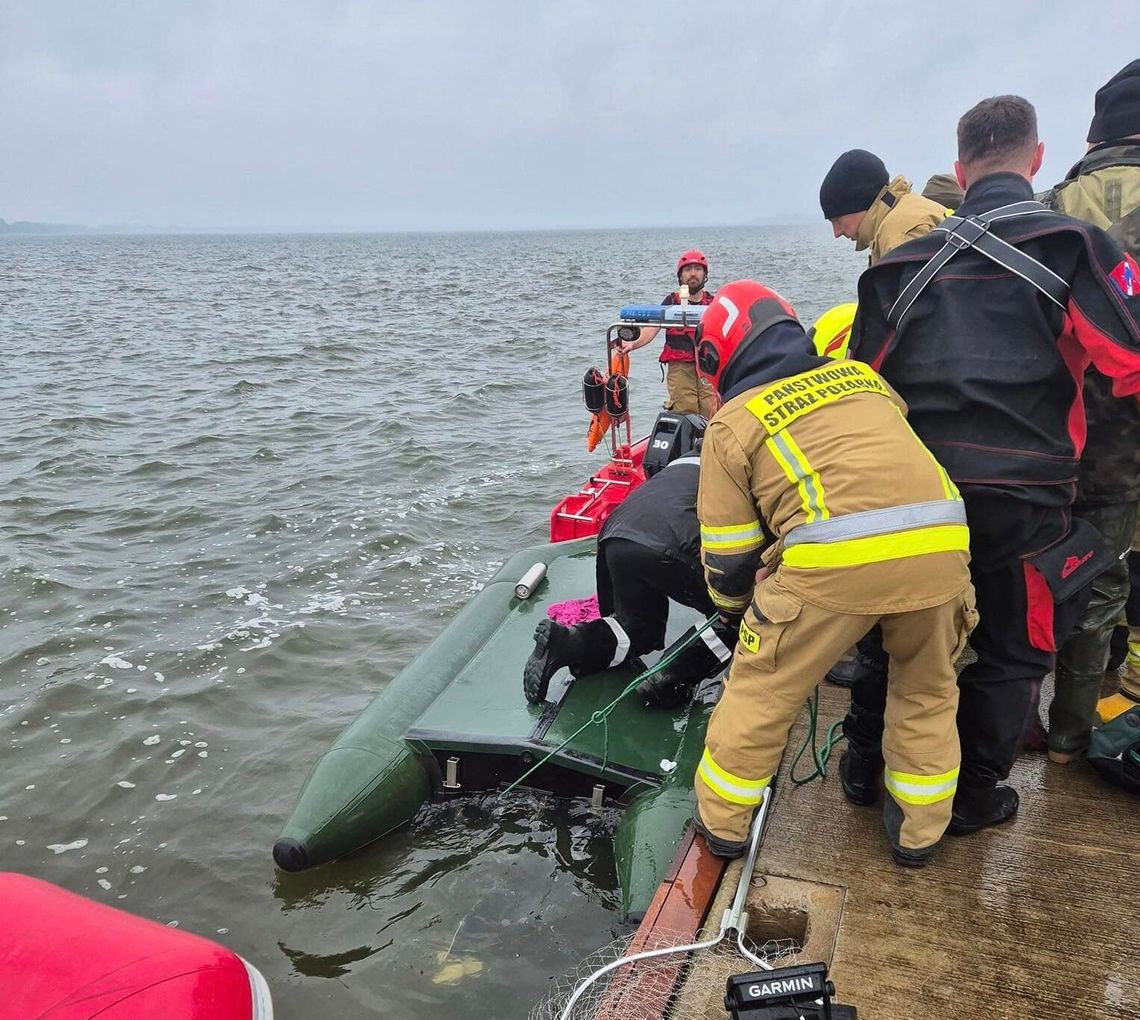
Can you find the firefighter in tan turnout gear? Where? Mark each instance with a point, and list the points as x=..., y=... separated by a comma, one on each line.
x=811, y=469
x=874, y=212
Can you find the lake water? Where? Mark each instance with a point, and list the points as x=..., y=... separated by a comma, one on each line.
x=243, y=481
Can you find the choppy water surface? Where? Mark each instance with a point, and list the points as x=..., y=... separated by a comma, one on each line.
x=243, y=480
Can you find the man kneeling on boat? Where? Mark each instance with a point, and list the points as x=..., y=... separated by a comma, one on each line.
x=811, y=473
x=648, y=553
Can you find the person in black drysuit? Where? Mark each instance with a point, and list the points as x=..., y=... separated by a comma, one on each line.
x=648, y=553
x=989, y=349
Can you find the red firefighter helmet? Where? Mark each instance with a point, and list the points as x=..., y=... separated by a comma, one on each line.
x=692, y=257
x=739, y=313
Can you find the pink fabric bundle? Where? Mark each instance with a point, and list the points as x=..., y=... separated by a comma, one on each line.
x=574, y=611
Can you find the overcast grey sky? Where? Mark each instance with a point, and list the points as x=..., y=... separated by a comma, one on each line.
x=442, y=114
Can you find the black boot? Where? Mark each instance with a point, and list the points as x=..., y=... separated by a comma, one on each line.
x=842, y=674
x=729, y=849
x=674, y=685
x=977, y=808
x=861, y=776
x=868, y=662
x=907, y=857
x=585, y=648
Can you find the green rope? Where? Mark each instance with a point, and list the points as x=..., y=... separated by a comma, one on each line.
x=600, y=717
x=820, y=755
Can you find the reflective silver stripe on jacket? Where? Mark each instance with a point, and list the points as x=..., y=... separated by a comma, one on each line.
x=879, y=522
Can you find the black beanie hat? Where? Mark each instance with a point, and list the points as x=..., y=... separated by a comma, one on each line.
x=852, y=184
x=1117, y=108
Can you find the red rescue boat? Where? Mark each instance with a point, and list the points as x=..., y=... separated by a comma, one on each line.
x=65, y=957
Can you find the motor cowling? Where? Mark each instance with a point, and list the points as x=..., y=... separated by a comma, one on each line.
x=673, y=436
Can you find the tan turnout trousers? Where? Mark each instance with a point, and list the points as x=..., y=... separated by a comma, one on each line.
x=688, y=394
x=819, y=476
x=793, y=648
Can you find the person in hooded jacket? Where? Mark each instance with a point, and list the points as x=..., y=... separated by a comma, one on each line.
x=1103, y=188
x=874, y=212
x=821, y=514
x=877, y=214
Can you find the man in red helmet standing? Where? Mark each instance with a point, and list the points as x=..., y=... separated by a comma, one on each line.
x=688, y=393
x=810, y=469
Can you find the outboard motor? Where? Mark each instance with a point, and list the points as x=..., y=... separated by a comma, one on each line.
x=673, y=436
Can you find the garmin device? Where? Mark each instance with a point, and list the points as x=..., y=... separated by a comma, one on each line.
x=786, y=993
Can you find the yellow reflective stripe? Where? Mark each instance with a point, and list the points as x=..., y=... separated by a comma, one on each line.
x=729, y=529
x=749, y=638
x=733, y=605
x=879, y=548
x=1133, y=658
x=947, y=482
x=811, y=477
x=801, y=474
x=775, y=451
x=741, y=546
x=737, y=537
x=734, y=789
x=921, y=789
x=948, y=486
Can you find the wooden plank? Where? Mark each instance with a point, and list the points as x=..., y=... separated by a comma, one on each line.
x=675, y=916
x=1037, y=918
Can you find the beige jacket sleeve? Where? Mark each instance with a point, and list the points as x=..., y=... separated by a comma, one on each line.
x=731, y=536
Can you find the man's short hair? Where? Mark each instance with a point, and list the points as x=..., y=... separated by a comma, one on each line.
x=997, y=132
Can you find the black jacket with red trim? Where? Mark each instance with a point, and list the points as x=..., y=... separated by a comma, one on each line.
x=990, y=368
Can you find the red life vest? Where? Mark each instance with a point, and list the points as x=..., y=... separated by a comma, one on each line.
x=679, y=342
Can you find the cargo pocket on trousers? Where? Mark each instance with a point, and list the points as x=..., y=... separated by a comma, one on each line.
x=765, y=621
x=1056, y=575
x=967, y=621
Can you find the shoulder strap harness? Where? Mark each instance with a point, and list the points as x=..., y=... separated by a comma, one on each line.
x=974, y=232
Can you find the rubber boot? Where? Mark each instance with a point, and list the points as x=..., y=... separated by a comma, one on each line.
x=729, y=849
x=1117, y=648
x=585, y=648
x=979, y=808
x=906, y=857
x=1077, y=681
x=861, y=776
x=674, y=685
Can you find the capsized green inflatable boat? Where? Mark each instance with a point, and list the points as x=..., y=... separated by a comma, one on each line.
x=455, y=721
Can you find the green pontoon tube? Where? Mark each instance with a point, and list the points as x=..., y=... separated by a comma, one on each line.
x=455, y=721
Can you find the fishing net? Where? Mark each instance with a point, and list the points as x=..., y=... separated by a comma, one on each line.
x=677, y=986
x=657, y=974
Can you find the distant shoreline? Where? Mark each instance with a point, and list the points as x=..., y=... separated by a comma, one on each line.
x=32, y=229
